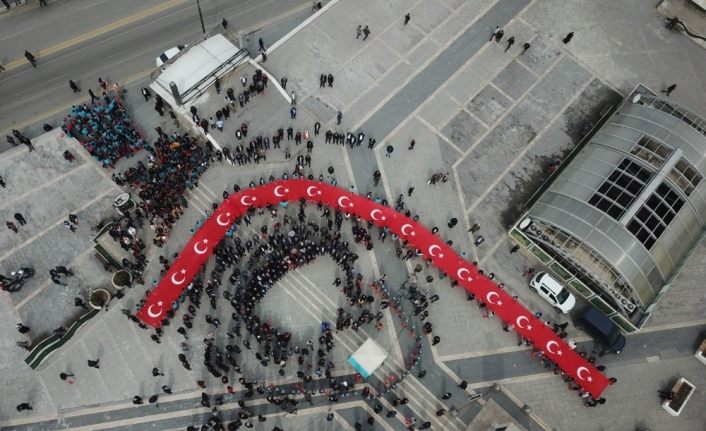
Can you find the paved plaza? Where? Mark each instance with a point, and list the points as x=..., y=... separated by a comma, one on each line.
x=490, y=119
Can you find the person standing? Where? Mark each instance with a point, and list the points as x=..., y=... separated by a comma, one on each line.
x=293, y=113
x=358, y=31
x=388, y=151
x=366, y=32
x=407, y=18
x=67, y=378
x=93, y=363
x=2, y=182
x=78, y=302
x=22, y=329
x=329, y=78
x=93, y=95
x=669, y=89
x=568, y=38
x=156, y=372
x=74, y=86
x=30, y=58
x=146, y=93
x=224, y=23
x=261, y=43
x=24, y=406
x=496, y=31
x=525, y=47
x=499, y=36
x=411, y=145
x=510, y=42
x=294, y=98
x=409, y=191
x=283, y=81
x=20, y=219
x=339, y=117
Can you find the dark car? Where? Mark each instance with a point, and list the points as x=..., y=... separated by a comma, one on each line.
x=601, y=328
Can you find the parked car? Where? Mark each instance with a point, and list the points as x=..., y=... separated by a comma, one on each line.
x=553, y=292
x=168, y=55
x=601, y=328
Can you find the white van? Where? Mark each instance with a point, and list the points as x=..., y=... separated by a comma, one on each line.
x=553, y=292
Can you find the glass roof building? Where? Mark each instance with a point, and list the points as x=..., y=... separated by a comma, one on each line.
x=625, y=212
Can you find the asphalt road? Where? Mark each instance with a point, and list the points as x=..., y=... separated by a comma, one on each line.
x=116, y=44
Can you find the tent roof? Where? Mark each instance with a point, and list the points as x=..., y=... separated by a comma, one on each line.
x=368, y=358
x=197, y=62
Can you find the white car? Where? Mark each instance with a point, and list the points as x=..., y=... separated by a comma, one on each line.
x=168, y=55
x=553, y=292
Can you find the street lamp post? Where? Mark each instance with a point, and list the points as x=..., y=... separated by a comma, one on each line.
x=203, y=27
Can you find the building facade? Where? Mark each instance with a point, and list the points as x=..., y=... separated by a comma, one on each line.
x=625, y=212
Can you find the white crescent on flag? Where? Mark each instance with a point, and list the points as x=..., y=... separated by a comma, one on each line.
x=551, y=343
x=519, y=321
x=431, y=250
x=152, y=313
x=343, y=199
x=245, y=200
x=461, y=271
x=223, y=223
x=376, y=211
x=183, y=278
x=310, y=191
x=277, y=192
x=580, y=370
x=199, y=250
x=490, y=295
x=404, y=227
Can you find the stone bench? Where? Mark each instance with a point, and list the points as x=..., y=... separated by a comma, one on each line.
x=683, y=389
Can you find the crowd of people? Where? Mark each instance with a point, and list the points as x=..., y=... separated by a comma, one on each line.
x=104, y=130
x=252, y=265
x=175, y=164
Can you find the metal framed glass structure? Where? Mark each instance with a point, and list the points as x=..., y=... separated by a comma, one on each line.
x=618, y=222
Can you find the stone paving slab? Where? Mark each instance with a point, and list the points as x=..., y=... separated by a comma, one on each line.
x=428, y=15
x=440, y=109
x=376, y=60
x=514, y=80
x=463, y=130
x=489, y=104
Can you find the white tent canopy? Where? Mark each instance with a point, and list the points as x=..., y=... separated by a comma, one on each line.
x=368, y=358
x=197, y=62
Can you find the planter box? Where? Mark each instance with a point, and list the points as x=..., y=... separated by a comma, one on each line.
x=701, y=352
x=99, y=298
x=683, y=390
x=121, y=279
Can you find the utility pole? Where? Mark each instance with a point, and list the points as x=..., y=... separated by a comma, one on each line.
x=198, y=5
